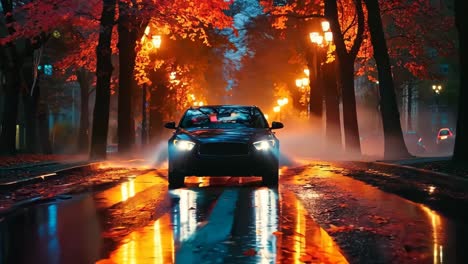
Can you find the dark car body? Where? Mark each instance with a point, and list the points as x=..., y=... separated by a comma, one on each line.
x=223, y=140
x=445, y=139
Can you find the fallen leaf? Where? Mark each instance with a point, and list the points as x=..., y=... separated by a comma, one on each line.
x=306, y=258
x=277, y=233
x=250, y=252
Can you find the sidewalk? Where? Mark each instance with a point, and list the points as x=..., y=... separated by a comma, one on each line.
x=24, y=183
x=436, y=182
x=18, y=170
x=440, y=169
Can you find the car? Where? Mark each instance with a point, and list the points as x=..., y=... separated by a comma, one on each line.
x=445, y=139
x=223, y=140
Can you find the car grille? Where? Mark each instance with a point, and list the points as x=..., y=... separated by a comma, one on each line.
x=223, y=149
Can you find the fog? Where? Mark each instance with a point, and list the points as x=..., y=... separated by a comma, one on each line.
x=303, y=139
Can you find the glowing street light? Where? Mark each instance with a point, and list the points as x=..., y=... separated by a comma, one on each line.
x=437, y=88
x=302, y=82
x=172, y=75
x=156, y=40
x=282, y=101
x=325, y=25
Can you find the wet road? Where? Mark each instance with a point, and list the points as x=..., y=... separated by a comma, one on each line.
x=231, y=220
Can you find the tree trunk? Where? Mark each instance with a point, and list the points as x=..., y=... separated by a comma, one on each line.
x=144, y=131
x=332, y=105
x=127, y=54
x=30, y=103
x=43, y=122
x=394, y=144
x=316, y=93
x=83, y=133
x=104, y=70
x=10, y=109
x=350, y=122
x=409, y=121
x=12, y=86
x=461, y=140
x=157, y=100
x=345, y=60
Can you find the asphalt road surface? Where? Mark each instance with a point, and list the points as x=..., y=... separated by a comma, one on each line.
x=316, y=215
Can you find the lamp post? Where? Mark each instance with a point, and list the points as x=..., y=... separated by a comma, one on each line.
x=437, y=89
x=303, y=85
x=149, y=46
x=277, y=109
x=320, y=40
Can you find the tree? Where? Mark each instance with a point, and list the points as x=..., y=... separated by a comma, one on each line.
x=34, y=23
x=394, y=144
x=460, y=153
x=12, y=86
x=346, y=60
x=84, y=78
x=128, y=33
x=177, y=19
x=104, y=70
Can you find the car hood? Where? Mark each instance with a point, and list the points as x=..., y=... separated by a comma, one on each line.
x=216, y=135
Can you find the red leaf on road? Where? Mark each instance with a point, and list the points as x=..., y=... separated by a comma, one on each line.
x=250, y=252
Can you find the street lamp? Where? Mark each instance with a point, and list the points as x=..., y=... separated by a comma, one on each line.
x=437, y=90
x=149, y=46
x=303, y=84
x=281, y=102
x=277, y=109
x=321, y=40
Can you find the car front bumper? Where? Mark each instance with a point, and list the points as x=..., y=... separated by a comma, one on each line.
x=255, y=163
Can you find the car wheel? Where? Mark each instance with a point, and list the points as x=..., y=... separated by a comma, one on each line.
x=271, y=178
x=176, y=180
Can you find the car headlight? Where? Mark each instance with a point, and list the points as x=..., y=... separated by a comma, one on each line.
x=264, y=144
x=184, y=145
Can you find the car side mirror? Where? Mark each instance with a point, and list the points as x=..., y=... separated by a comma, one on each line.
x=170, y=125
x=276, y=125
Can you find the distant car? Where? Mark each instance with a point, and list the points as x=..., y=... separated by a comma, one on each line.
x=444, y=135
x=414, y=143
x=223, y=140
x=445, y=139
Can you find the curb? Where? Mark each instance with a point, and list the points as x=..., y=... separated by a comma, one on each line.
x=43, y=177
x=35, y=179
x=18, y=205
x=438, y=177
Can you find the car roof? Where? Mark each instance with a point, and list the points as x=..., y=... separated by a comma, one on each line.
x=226, y=106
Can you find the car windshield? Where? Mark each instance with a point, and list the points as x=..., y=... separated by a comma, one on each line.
x=444, y=132
x=223, y=117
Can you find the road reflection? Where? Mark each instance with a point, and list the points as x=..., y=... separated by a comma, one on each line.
x=233, y=225
x=424, y=235
x=52, y=233
x=438, y=248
